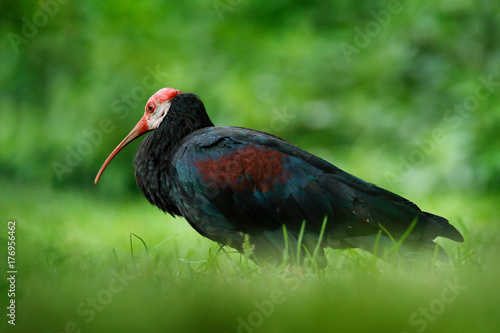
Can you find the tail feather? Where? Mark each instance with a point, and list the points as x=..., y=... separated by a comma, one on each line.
x=439, y=226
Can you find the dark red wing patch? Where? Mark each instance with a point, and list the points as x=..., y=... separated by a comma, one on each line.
x=251, y=168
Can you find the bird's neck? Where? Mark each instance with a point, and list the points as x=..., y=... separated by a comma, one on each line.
x=154, y=158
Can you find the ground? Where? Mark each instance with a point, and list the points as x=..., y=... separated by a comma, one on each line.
x=90, y=264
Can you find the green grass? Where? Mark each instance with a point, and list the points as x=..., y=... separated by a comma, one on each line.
x=77, y=271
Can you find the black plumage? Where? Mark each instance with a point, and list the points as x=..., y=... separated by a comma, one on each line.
x=228, y=182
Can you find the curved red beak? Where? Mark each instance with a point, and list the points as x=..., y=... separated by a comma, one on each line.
x=138, y=130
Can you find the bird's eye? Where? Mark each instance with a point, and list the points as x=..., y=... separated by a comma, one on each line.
x=150, y=108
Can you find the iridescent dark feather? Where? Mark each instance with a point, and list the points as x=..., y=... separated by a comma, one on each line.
x=230, y=181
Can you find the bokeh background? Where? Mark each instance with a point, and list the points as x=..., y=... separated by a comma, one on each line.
x=402, y=94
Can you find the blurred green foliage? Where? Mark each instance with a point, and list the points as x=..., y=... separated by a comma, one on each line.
x=361, y=83
x=402, y=94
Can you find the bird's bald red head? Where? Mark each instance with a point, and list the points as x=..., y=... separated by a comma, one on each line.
x=161, y=96
x=156, y=109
